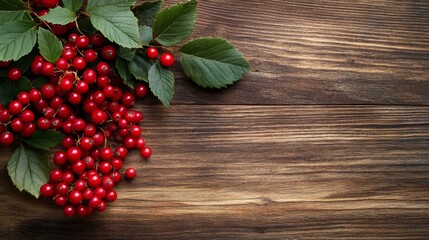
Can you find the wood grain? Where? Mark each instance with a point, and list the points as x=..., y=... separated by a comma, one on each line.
x=267, y=172
x=327, y=137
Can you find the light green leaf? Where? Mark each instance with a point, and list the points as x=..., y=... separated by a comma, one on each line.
x=44, y=140
x=60, y=16
x=146, y=34
x=12, y=5
x=124, y=72
x=175, y=23
x=73, y=5
x=49, y=45
x=28, y=169
x=139, y=67
x=119, y=26
x=17, y=39
x=9, y=16
x=213, y=62
x=161, y=83
x=126, y=53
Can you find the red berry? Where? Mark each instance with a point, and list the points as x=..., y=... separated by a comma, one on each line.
x=146, y=152
x=24, y=98
x=66, y=84
x=152, y=53
x=69, y=211
x=102, y=207
x=74, y=154
x=48, y=68
x=47, y=91
x=14, y=74
x=4, y=115
x=47, y=190
x=75, y=98
x=67, y=54
x=59, y=30
x=80, y=185
x=43, y=123
x=49, y=3
x=62, y=64
x=98, y=117
x=95, y=201
x=4, y=64
x=17, y=125
x=135, y=131
x=130, y=173
x=89, y=76
x=15, y=107
x=28, y=130
x=55, y=176
x=79, y=63
x=128, y=100
x=141, y=90
x=140, y=143
x=111, y=196
x=108, y=52
x=107, y=183
x=121, y=152
x=60, y=200
x=75, y=197
x=68, y=177
x=35, y=95
x=129, y=142
x=94, y=181
x=90, y=55
x=78, y=167
x=72, y=37
x=82, y=41
x=82, y=87
x=103, y=68
x=27, y=116
x=6, y=138
x=167, y=60
x=60, y=158
x=105, y=167
x=117, y=163
x=97, y=40
x=106, y=153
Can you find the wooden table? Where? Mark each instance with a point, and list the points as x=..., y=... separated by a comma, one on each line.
x=327, y=138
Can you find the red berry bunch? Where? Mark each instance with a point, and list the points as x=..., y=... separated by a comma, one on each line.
x=166, y=59
x=92, y=107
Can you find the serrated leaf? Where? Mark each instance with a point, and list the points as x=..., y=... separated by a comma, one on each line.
x=146, y=12
x=175, y=23
x=38, y=82
x=213, y=62
x=73, y=5
x=11, y=5
x=146, y=34
x=119, y=26
x=126, y=53
x=28, y=169
x=9, y=16
x=124, y=72
x=44, y=140
x=161, y=83
x=139, y=67
x=17, y=39
x=86, y=27
x=60, y=15
x=49, y=45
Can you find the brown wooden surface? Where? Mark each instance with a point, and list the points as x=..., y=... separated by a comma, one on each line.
x=327, y=138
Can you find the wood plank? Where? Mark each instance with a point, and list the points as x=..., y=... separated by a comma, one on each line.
x=320, y=52
x=258, y=172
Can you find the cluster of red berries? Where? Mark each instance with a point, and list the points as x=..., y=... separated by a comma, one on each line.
x=85, y=101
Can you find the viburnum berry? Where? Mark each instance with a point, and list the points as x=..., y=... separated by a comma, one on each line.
x=24, y=98
x=6, y=138
x=15, y=107
x=69, y=211
x=55, y=176
x=17, y=125
x=90, y=55
x=43, y=123
x=166, y=60
x=29, y=130
x=98, y=117
x=72, y=37
x=89, y=76
x=141, y=90
x=82, y=42
x=14, y=74
x=60, y=200
x=27, y=116
x=152, y=53
x=79, y=63
x=111, y=196
x=49, y=3
x=97, y=40
x=48, y=68
x=47, y=91
x=146, y=152
x=74, y=154
x=103, y=68
x=60, y=158
x=47, y=190
x=130, y=173
x=108, y=52
x=62, y=64
x=67, y=54
x=67, y=177
x=4, y=64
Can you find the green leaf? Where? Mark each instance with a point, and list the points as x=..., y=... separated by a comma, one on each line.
x=126, y=53
x=119, y=26
x=11, y=5
x=146, y=12
x=60, y=16
x=120, y=4
x=44, y=140
x=23, y=85
x=9, y=16
x=28, y=169
x=161, y=83
x=24, y=62
x=49, y=45
x=139, y=67
x=124, y=72
x=73, y=5
x=17, y=39
x=86, y=27
x=213, y=62
x=175, y=23
x=38, y=82
x=146, y=34
x=7, y=91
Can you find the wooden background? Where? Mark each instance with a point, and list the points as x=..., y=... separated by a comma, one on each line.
x=327, y=138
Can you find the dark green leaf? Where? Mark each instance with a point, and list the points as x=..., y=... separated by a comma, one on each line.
x=124, y=72
x=23, y=85
x=175, y=23
x=9, y=16
x=17, y=39
x=12, y=5
x=119, y=26
x=126, y=53
x=38, y=82
x=49, y=45
x=24, y=62
x=60, y=16
x=73, y=5
x=86, y=27
x=120, y=4
x=7, y=91
x=139, y=67
x=44, y=140
x=213, y=62
x=28, y=169
x=161, y=83
x=146, y=12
